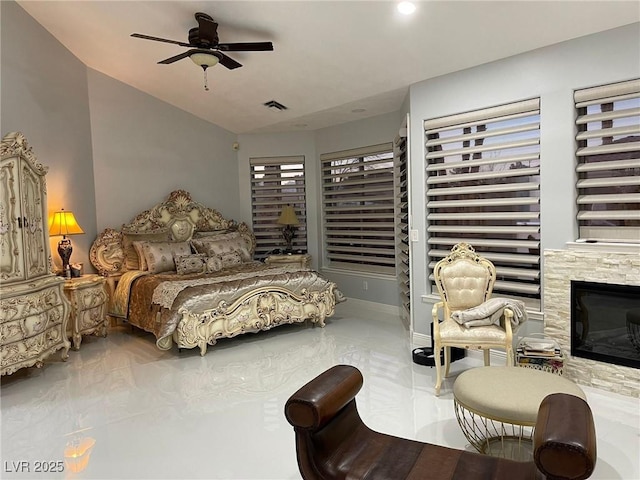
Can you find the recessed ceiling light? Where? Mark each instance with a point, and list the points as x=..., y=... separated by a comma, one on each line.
x=406, y=8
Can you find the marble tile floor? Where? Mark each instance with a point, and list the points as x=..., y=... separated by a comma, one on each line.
x=131, y=411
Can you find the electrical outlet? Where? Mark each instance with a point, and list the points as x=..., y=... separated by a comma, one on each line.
x=414, y=235
x=365, y=285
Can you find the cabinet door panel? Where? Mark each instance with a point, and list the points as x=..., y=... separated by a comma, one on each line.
x=11, y=251
x=37, y=261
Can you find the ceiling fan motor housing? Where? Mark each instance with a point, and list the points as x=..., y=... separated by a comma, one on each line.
x=194, y=38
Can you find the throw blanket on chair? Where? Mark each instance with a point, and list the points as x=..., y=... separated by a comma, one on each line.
x=490, y=313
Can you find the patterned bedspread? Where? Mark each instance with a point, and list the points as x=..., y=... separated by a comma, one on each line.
x=153, y=302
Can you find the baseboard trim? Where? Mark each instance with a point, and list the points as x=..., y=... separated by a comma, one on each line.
x=377, y=307
x=421, y=340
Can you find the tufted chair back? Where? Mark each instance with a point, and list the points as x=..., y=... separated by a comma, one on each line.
x=464, y=278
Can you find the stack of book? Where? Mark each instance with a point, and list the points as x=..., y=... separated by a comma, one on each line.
x=541, y=354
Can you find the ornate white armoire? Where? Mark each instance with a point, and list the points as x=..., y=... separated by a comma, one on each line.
x=33, y=307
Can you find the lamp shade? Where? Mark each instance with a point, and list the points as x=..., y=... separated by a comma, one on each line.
x=288, y=216
x=64, y=223
x=203, y=59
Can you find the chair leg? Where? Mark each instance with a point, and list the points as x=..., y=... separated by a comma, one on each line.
x=437, y=348
x=510, y=360
x=447, y=361
x=487, y=357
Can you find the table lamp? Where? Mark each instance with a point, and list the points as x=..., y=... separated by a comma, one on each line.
x=64, y=223
x=289, y=219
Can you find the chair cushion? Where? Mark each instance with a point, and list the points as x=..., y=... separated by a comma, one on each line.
x=452, y=331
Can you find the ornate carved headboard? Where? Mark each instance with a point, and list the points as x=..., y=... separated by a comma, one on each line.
x=178, y=215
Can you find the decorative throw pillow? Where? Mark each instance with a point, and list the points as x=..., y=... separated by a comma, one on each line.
x=142, y=263
x=194, y=263
x=213, y=264
x=131, y=259
x=230, y=259
x=219, y=245
x=159, y=255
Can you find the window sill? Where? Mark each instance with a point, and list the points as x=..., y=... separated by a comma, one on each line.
x=358, y=273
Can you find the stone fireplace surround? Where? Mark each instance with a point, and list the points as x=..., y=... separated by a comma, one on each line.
x=609, y=263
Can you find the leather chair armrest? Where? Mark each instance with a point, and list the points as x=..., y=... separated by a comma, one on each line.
x=565, y=437
x=313, y=405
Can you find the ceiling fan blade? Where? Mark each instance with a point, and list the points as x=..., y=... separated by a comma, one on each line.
x=157, y=39
x=245, y=47
x=169, y=60
x=228, y=62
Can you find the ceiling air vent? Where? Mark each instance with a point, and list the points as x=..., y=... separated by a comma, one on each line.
x=273, y=105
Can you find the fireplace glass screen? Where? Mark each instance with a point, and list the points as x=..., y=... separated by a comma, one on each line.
x=605, y=322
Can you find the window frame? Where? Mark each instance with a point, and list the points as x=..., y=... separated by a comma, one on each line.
x=267, y=231
x=352, y=245
x=607, y=191
x=483, y=188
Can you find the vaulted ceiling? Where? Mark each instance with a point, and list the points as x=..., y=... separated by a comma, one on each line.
x=333, y=61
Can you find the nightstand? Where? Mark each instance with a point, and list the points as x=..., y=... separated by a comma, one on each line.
x=88, y=297
x=302, y=260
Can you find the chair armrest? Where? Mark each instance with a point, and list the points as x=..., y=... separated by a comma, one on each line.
x=507, y=317
x=317, y=402
x=434, y=310
x=565, y=437
x=436, y=320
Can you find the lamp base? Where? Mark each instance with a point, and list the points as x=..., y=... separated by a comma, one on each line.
x=64, y=250
x=288, y=232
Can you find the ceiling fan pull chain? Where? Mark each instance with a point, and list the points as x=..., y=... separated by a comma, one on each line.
x=206, y=84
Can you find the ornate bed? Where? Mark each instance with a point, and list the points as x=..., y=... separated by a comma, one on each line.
x=185, y=273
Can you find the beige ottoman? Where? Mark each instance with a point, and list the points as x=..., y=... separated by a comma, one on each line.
x=497, y=407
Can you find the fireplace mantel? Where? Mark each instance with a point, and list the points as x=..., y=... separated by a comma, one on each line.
x=608, y=247
x=591, y=264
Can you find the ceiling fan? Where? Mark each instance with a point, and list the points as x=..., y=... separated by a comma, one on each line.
x=205, y=48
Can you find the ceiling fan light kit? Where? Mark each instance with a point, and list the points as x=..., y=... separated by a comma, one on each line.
x=206, y=50
x=204, y=60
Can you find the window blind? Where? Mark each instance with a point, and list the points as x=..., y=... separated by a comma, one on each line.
x=276, y=182
x=358, y=209
x=483, y=188
x=608, y=161
x=403, y=267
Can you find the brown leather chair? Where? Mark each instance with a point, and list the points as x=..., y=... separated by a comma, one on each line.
x=332, y=442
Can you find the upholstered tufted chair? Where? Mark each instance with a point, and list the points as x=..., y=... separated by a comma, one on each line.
x=465, y=280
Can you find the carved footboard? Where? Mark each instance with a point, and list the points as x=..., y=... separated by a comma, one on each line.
x=258, y=310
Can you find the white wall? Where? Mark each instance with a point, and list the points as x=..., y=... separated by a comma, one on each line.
x=144, y=148
x=552, y=73
x=44, y=95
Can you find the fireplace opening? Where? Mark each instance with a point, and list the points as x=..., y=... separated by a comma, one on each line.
x=605, y=322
